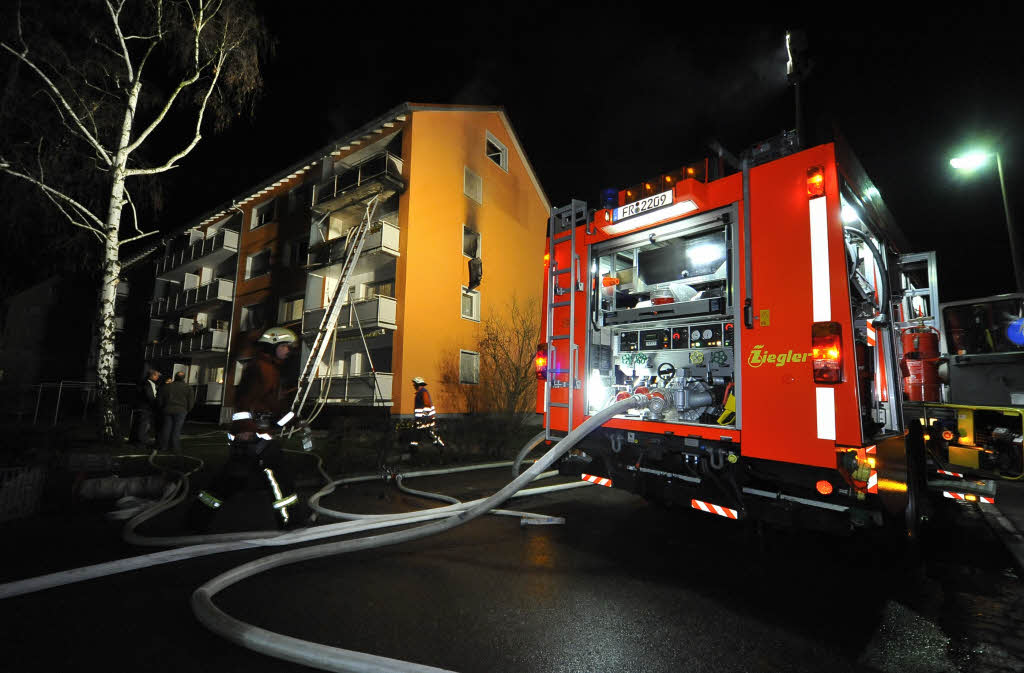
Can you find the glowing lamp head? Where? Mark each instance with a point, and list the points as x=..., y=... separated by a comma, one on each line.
x=824, y=487
x=815, y=182
x=970, y=161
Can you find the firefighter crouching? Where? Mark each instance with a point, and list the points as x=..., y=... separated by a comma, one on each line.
x=260, y=412
x=424, y=413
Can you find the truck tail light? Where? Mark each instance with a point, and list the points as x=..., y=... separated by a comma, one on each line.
x=540, y=362
x=815, y=182
x=827, y=352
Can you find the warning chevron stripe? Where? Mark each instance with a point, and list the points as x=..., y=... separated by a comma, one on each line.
x=970, y=497
x=873, y=482
x=600, y=481
x=951, y=474
x=711, y=508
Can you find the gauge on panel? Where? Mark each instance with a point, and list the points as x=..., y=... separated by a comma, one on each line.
x=707, y=333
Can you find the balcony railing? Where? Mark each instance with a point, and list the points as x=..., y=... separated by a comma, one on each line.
x=378, y=312
x=355, y=389
x=383, y=238
x=384, y=168
x=208, y=341
x=218, y=248
x=220, y=289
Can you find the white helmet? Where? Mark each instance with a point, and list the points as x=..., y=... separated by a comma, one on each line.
x=419, y=381
x=278, y=335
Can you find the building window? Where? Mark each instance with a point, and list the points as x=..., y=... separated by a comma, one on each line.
x=262, y=214
x=257, y=264
x=470, y=242
x=470, y=304
x=473, y=185
x=300, y=198
x=496, y=152
x=295, y=252
x=469, y=367
x=290, y=310
x=380, y=288
x=252, y=317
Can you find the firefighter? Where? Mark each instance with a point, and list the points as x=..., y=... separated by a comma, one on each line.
x=260, y=405
x=424, y=413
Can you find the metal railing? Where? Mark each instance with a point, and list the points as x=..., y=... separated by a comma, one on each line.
x=207, y=341
x=383, y=237
x=221, y=289
x=52, y=403
x=374, y=168
x=225, y=239
x=366, y=388
x=378, y=311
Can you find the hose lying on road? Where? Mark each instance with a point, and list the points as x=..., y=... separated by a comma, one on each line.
x=330, y=658
x=195, y=546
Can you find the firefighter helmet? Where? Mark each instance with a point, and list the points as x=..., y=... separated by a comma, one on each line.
x=278, y=335
x=419, y=381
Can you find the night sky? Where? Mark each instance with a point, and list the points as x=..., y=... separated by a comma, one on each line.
x=608, y=97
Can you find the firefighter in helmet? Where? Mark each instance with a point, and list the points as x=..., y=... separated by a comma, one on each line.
x=424, y=413
x=260, y=411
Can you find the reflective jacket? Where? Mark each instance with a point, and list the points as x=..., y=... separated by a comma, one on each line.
x=424, y=411
x=258, y=394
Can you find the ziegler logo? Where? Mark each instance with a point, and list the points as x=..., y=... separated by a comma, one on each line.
x=758, y=357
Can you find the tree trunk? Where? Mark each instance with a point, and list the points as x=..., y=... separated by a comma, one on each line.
x=111, y=272
x=105, y=336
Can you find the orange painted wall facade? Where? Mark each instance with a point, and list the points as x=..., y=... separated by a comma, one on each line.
x=511, y=221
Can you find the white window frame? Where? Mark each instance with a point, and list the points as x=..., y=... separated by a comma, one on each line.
x=248, y=264
x=479, y=244
x=476, y=304
x=469, y=175
x=259, y=211
x=463, y=378
x=502, y=150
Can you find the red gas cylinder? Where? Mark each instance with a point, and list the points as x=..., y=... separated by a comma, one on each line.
x=922, y=382
x=921, y=340
x=920, y=365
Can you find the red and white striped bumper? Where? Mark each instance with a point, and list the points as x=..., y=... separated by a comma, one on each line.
x=969, y=497
x=711, y=508
x=600, y=481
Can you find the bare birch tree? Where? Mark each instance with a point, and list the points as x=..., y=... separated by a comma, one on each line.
x=125, y=81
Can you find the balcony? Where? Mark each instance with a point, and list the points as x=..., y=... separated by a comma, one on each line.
x=219, y=289
x=375, y=313
x=209, y=393
x=206, y=252
x=382, y=239
x=357, y=389
x=381, y=172
x=207, y=342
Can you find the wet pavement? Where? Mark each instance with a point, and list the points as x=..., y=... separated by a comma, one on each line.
x=622, y=586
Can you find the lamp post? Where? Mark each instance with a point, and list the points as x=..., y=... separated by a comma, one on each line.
x=974, y=160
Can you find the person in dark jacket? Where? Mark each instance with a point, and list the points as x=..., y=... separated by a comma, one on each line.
x=260, y=403
x=146, y=407
x=176, y=400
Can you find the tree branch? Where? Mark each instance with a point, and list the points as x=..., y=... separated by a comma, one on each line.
x=50, y=191
x=135, y=238
x=115, y=16
x=23, y=57
x=169, y=164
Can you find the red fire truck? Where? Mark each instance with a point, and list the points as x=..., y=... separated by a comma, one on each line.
x=755, y=301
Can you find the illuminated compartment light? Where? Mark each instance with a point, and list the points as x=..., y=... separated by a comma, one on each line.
x=824, y=487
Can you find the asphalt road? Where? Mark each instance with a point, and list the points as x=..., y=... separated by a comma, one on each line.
x=622, y=586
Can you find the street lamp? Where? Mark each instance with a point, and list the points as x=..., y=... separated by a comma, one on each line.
x=974, y=160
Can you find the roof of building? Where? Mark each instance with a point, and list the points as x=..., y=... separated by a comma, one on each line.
x=356, y=137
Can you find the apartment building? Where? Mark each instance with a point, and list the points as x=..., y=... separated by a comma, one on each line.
x=453, y=190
